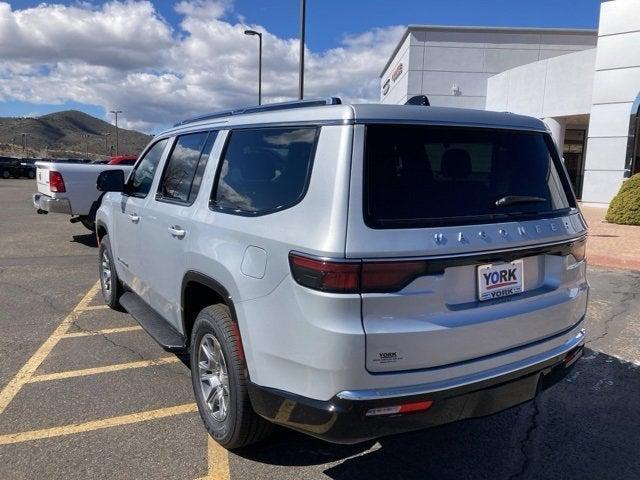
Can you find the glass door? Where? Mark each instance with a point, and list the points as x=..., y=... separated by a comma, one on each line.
x=573, y=153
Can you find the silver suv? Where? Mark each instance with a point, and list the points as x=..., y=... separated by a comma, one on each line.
x=350, y=271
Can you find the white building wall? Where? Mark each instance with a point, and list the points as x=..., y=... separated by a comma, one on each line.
x=616, y=85
x=555, y=87
x=437, y=59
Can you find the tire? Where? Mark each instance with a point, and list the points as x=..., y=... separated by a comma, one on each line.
x=6, y=174
x=238, y=425
x=111, y=287
x=31, y=174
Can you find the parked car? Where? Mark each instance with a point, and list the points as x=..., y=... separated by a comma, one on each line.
x=69, y=187
x=9, y=167
x=27, y=168
x=350, y=271
x=123, y=160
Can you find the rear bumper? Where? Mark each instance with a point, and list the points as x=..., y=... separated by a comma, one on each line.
x=43, y=203
x=343, y=419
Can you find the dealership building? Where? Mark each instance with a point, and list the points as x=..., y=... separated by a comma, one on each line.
x=584, y=84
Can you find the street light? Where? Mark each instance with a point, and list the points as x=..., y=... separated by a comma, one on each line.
x=259, y=35
x=86, y=145
x=106, y=148
x=116, y=112
x=303, y=8
x=24, y=141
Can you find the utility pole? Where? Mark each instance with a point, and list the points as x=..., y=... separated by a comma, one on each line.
x=106, y=148
x=24, y=142
x=86, y=145
x=116, y=112
x=259, y=35
x=303, y=8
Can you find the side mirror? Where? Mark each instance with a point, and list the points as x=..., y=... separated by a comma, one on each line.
x=111, y=181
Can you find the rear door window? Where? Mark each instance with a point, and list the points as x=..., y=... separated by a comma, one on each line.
x=264, y=170
x=418, y=176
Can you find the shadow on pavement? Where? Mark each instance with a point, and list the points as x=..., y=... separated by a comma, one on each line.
x=586, y=426
x=88, y=240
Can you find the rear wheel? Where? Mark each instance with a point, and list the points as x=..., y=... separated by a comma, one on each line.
x=6, y=174
x=31, y=174
x=220, y=382
x=110, y=285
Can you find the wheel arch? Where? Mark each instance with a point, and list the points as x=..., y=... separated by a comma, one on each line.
x=199, y=291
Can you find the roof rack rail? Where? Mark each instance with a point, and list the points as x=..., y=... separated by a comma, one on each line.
x=270, y=107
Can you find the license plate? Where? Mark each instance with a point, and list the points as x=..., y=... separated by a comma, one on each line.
x=500, y=280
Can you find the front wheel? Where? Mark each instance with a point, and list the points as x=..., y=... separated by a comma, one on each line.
x=220, y=382
x=110, y=285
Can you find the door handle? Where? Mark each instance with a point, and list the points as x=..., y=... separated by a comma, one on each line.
x=134, y=218
x=176, y=231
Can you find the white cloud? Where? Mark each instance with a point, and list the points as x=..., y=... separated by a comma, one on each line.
x=125, y=55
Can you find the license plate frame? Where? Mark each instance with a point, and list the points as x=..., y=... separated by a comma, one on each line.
x=499, y=280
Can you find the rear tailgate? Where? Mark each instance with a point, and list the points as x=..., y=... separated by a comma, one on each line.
x=42, y=177
x=436, y=317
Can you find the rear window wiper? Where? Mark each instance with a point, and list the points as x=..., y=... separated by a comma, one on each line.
x=513, y=199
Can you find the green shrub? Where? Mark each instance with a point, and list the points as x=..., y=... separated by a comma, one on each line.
x=625, y=206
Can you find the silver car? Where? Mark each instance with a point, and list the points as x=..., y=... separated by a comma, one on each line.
x=350, y=271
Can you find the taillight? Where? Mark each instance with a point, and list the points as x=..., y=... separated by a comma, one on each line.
x=355, y=276
x=390, y=276
x=56, y=183
x=578, y=250
x=325, y=275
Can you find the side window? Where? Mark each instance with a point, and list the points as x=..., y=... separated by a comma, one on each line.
x=184, y=168
x=140, y=180
x=264, y=170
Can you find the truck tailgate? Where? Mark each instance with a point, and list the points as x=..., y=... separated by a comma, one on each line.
x=42, y=178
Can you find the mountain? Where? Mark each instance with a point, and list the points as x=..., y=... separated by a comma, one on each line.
x=64, y=134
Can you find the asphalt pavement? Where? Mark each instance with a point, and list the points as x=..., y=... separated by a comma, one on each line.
x=86, y=394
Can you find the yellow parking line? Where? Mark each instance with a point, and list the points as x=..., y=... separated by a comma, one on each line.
x=218, y=461
x=97, y=424
x=107, y=368
x=94, y=307
x=24, y=375
x=102, y=332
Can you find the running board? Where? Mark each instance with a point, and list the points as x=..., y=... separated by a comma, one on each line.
x=153, y=323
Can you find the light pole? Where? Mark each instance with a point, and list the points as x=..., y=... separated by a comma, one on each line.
x=106, y=148
x=86, y=145
x=259, y=35
x=303, y=8
x=24, y=141
x=116, y=112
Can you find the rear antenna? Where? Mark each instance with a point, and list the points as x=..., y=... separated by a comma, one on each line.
x=420, y=100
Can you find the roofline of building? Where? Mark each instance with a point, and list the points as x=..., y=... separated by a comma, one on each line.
x=477, y=28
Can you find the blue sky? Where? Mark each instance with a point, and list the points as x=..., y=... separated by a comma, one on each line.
x=329, y=20
x=66, y=77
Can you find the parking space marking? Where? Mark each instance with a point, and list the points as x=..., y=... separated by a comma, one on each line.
x=94, y=307
x=45, y=377
x=102, y=332
x=26, y=372
x=97, y=424
x=217, y=462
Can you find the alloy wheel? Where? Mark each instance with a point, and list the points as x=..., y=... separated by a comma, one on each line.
x=214, y=378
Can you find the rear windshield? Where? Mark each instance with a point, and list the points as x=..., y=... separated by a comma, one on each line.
x=417, y=176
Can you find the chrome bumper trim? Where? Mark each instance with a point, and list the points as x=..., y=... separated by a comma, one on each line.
x=52, y=205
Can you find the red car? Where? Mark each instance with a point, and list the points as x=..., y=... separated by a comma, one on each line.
x=123, y=160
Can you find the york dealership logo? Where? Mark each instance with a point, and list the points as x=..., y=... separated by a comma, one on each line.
x=385, y=87
x=394, y=77
x=396, y=72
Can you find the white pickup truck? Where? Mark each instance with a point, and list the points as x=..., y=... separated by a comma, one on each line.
x=70, y=188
